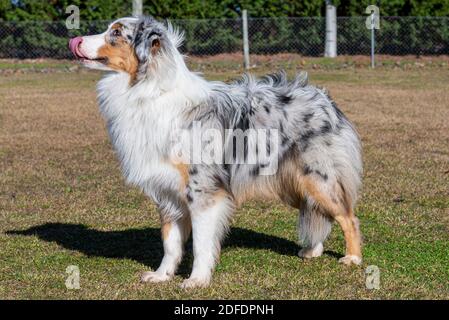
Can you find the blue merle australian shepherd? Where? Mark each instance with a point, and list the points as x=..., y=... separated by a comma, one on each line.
x=149, y=99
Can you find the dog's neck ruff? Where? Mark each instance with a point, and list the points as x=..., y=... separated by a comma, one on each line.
x=172, y=86
x=141, y=117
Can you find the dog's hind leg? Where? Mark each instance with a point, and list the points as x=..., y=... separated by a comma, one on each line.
x=210, y=219
x=174, y=235
x=336, y=203
x=314, y=227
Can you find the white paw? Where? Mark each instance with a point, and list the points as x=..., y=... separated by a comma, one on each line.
x=308, y=253
x=191, y=283
x=348, y=260
x=154, y=277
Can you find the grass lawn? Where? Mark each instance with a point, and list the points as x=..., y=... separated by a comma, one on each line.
x=63, y=201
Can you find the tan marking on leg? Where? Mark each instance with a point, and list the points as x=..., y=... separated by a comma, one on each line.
x=183, y=170
x=342, y=212
x=351, y=233
x=310, y=188
x=186, y=225
x=165, y=230
x=220, y=194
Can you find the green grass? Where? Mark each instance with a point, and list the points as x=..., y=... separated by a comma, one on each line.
x=63, y=201
x=54, y=64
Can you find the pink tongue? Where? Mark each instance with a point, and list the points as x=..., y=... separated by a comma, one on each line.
x=74, y=47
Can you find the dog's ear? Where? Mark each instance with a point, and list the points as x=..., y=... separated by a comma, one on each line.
x=154, y=42
x=147, y=39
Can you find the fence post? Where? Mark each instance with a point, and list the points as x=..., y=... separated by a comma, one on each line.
x=245, y=40
x=137, y=8
x=331, y=31
x=373, y=41
x=372, y=22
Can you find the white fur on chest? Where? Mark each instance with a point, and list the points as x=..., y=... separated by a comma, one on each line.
x=139, y=126
x=142, y=118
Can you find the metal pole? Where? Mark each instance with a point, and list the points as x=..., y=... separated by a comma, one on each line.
x=245, y=40
x=372, y=40
x=331, y=31
x=137, y=8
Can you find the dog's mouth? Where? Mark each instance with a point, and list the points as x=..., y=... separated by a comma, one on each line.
x=74, y=46
x=96, y=64
x=100, y=60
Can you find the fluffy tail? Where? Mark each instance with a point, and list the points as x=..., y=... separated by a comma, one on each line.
x=314, y=226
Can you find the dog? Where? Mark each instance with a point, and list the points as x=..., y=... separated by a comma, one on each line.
x=149, y=94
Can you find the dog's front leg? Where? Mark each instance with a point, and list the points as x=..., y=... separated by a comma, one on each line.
x=175, y=228
x=210, y=219
x=174, y=235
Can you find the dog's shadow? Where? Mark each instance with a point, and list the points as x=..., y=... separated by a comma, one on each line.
x=145, y=245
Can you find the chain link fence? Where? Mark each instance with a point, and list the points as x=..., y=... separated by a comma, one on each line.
x=304, y=36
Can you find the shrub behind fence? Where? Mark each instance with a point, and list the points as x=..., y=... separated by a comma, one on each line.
x=305, y=36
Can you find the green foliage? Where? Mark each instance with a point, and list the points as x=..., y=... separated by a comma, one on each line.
x=394, y=7
x=211, y=36
x=387, y=7
x=29, y=31
x=269, y=36
x=54, y=10
x=5, y=6
x=398, y=36
x=33, y=39
x=23, y=10
x=30, y=10
x=430, y=7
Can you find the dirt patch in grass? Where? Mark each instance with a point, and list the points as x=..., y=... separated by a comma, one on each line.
x=63, y=201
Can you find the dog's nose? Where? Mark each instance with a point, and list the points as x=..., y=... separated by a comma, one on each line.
x=74, y=44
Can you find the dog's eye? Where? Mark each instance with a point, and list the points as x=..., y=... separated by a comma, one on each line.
x=116, y=33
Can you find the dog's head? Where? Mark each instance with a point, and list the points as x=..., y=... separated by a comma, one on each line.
x=137, y=46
